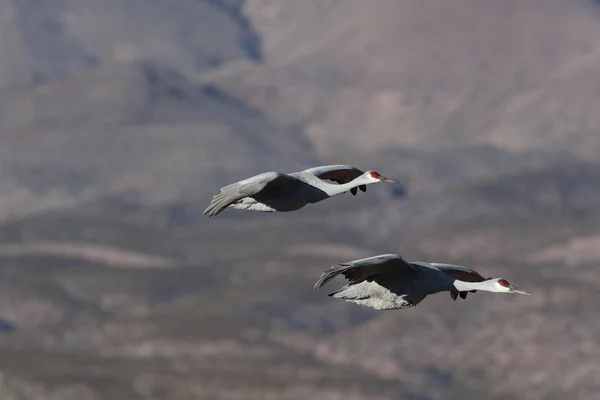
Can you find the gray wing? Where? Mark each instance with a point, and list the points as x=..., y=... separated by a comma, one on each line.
x=274, y=182
x=462, y=274
x=338, y=173
x=359, y=270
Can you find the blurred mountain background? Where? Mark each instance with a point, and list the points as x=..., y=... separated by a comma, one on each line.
x=120, y=119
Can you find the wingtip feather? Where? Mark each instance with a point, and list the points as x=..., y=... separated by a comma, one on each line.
x=328, y=275
x=216, y=205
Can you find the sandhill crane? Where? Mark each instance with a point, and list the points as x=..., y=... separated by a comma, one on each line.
x=275, y=191
x=388, y=282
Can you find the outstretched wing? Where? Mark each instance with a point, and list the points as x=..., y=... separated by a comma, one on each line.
x=338, y=173
x=459, y=272
x=358, y=270
x=462, y=274
x=274, y=182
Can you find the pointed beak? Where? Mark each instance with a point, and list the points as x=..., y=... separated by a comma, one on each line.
x=516, y=290
x=384, y=179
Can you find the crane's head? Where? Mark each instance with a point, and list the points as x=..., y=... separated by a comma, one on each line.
x=503, y=286
x=374, y=177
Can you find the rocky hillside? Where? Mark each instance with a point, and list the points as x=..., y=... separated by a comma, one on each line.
x=120, y=120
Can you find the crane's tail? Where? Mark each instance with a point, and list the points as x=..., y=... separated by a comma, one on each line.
x=220, y=202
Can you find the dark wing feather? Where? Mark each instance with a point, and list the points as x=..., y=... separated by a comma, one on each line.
x=360, y=270
x=341, y=175
x=462, y=274
x=338, y=173
x=459, y=272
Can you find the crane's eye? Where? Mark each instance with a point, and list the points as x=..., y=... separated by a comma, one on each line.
x=375, y=175
x=503, y=282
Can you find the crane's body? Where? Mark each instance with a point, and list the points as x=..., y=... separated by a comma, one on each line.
x=276, y=191
x=387, y=282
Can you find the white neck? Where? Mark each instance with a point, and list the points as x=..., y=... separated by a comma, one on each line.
x=333, y=189
x=462, y=286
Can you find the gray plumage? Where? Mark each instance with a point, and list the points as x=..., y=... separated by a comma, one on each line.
x=276, y=191
x=336, y=173
x=387, y=281
x=458, y=272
